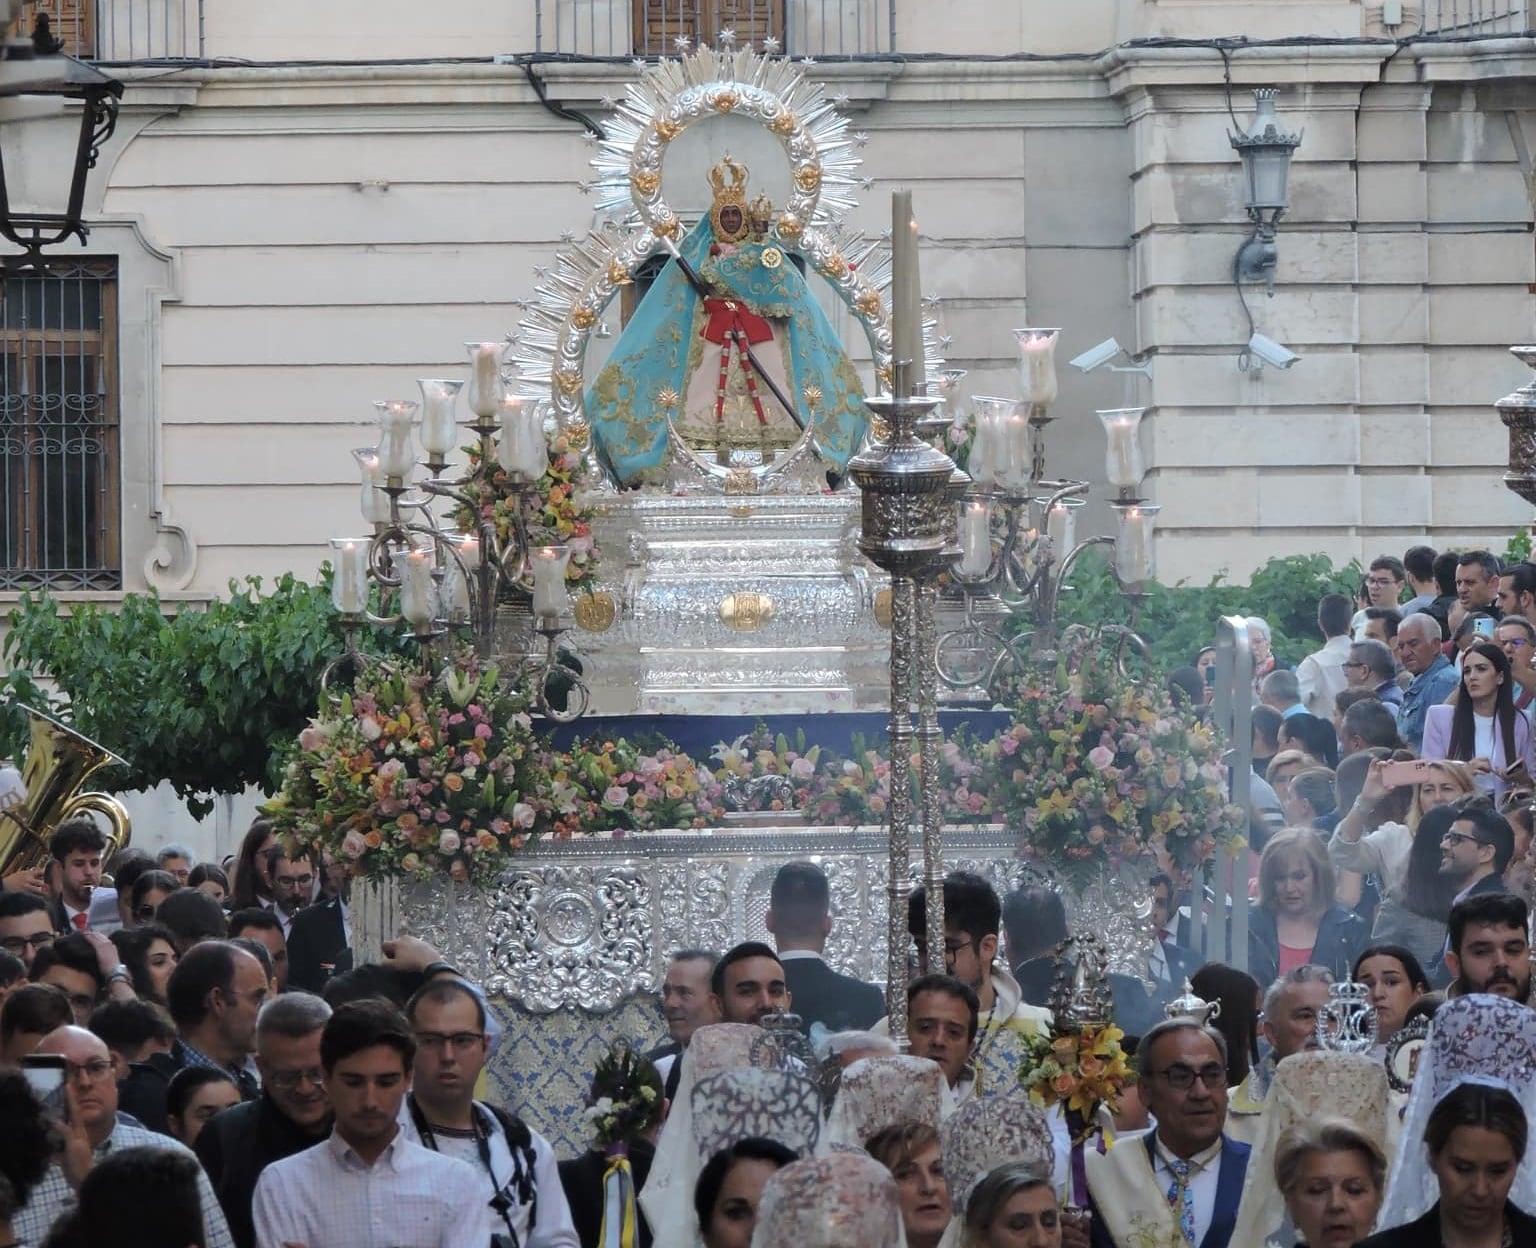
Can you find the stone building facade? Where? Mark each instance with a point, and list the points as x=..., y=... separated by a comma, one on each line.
x=307, y=207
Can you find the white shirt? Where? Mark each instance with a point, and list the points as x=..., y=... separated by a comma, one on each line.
x=1205, y=1171
x=554, y=1228
x=328, y=1197
x=1321, y=675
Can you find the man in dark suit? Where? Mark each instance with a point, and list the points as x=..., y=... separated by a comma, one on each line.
x=1170, y=962
x=800, y=918
x=1034, y=924
x=318, y=946
x=687, y=1003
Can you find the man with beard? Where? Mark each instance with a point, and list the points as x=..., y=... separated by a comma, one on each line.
x=1490, y=951
x=292, y=872
x=749, y=982
x=1474, y=853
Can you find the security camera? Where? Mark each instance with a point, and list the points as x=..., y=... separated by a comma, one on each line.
x=1271, y=352
x=1096, y=357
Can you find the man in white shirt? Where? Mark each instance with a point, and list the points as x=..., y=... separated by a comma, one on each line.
x=1321, y=674
x=366, y=1185
x=515, y=1169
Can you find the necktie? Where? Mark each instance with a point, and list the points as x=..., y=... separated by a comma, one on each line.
x=1180, y=1199
x=79, y=920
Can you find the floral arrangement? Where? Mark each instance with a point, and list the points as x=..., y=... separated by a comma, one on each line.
x=1078, y=1070
x=617, y=786
x=1102, y=769
x=415, y=775
x=625, y=1099
x=551, y=514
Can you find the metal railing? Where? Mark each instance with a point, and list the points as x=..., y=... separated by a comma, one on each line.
x=123, y=30
x=1474, y=18
x=627, y=28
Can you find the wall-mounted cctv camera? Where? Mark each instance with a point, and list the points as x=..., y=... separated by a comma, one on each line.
x=1271, y=352
x=1096, y=357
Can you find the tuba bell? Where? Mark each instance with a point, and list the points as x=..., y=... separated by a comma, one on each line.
x=59, y=761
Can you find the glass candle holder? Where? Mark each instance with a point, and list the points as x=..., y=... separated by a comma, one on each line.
x=1037, y=365
x=1135, y=554
x=521, y=449
x=375, y=503
x=418, y=592
x=988, y=452
x=468, y=546
x=1124, y=465
x=439, y=415
x=975, y=538
x=453, y=594
x=397, y=445
x=486, y=384
x=550, y=599
x=1013, y=470
x=1061, y=525
x=349, y=578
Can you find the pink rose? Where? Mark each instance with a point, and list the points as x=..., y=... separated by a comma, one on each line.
x=352, y=845
x=1101, y=756
x=448, y=843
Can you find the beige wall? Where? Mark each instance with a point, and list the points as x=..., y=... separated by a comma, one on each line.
x=318, y=237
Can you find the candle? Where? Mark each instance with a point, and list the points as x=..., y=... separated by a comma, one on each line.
x=1037, y=365
x=975, y=539
x=485, y=382
x=375, y=503
x=1061, y=527
x=1013, y=463
x=549, y=597
x=469, y=551
x=397, y=446
x=1123, y=462
x=1135, y=563
x=989, y=452
x=439, y=428
x=906, y=293
x=454, y=593
x=414, y=569
x=521, y=449
x=349, y=577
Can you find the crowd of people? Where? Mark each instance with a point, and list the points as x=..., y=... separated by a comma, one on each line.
x=189, y=1056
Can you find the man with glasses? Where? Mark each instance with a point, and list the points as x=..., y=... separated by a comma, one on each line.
x=1370, y=666
x=1434, y=676
x=25, y=926
x=1181, y=1182
x=1288, y=1024
x=1516, y=636
x=94, y=1129
x=1474, y=853
x=292, y=873
x=972, y=922
x=518, y=1174
x=291, y=1114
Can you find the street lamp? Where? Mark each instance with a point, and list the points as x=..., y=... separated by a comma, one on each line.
x=25, y=76
x=1266, y=153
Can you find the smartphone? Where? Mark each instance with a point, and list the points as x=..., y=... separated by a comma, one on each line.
x=1406, y=774
x=1484, y=625
x=45, y=1072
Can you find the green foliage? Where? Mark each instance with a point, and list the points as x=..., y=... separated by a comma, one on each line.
x=1178, y=620
x=1518, y=548
x=206, y=698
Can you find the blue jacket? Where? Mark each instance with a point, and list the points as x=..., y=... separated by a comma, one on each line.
x=1429, y=688
x=1341, y=937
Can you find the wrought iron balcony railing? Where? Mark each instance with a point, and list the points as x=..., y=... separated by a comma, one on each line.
x=123, y=30
x=627, y=28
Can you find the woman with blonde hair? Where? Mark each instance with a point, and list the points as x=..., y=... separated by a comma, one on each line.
x=1297, y=921
x=1332, y=1176
x=1409, y=914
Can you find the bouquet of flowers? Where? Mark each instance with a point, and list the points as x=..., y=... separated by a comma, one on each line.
x=1101, y=768
x=551, y=514
x=412, y=775
x=1079, y=1070
x=620, y=786
x=625, y=1098
x=759, y=753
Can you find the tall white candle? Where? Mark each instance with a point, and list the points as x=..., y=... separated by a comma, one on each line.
x=549, y=594
x=485, y=382
x=469, y=551
x=1061, y=528
x=1037, y=365
x=1123, y=462
x=1013, y=462
x=375, y=503
x=906, y=290
x=975, y=539
x=397, y=446
x=439, y=424
x=1135, y=561
x=522, y=449
x=349, y=577
x=454, y=593
x=414, y=568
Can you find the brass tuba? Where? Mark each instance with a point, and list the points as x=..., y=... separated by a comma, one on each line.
x=59, y=760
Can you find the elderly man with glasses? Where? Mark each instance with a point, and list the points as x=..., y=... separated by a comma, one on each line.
x=1182, y=1181
x=94, y=1128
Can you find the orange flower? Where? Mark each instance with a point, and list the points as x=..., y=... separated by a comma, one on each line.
x=1064, y=1084
x=1065, y=1048
x=373, y=840
x=453, y=782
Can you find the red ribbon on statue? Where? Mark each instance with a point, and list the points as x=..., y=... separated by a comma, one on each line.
x=726, y=315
